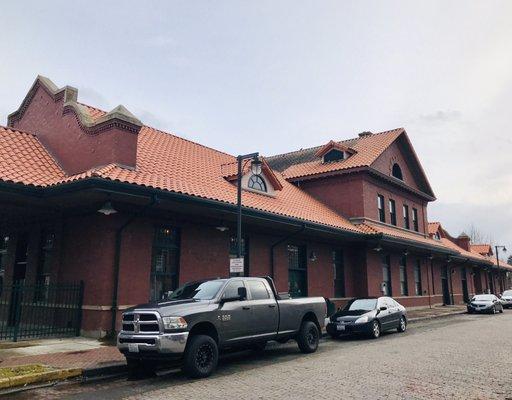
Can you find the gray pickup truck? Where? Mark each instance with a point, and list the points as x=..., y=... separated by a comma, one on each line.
x=202, y=317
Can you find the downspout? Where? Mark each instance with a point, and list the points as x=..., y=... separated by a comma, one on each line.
x=117, y=260
x=282, y=240
x=428, y=286
x=451, y=284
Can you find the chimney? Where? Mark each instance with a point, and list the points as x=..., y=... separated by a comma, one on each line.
x=463, y=241
x=79, y=137
x=365, y=134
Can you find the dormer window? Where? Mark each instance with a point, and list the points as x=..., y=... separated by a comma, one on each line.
x=396, y=171
x=256, y=182
x=437, y=236
x=333, y=151
x=334, y=155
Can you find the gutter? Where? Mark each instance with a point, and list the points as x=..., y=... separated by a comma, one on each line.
x=128, y=188
x=117, y=259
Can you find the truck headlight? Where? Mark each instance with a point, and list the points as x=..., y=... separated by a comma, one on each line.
x=362, y=320
x=174, y=322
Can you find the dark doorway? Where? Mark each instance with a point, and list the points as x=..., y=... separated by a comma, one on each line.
x=297, y=271
x=477, y=281
x=491, y=281
x=18, y=275
x=465, y=293
x=445, y=286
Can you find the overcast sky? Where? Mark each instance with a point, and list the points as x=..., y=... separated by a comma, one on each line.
x=273, y=76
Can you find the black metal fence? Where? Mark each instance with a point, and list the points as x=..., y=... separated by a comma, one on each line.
x=41, y=310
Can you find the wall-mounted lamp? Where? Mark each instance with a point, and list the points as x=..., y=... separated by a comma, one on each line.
x=312, y=256
x=107, y=209
x=431, y=257
x=406, y=252
x=378, y=248
x=221, y=227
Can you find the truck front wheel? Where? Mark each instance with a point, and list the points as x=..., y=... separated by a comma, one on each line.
x=201, y=356
x=308, y=337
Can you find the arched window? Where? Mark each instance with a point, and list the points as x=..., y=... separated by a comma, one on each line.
x=397, y=172
x=256, y=182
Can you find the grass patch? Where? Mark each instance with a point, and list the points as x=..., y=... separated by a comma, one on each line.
x=10, y=372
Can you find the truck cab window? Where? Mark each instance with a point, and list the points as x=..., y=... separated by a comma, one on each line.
x=231, y=289
x=258, y=290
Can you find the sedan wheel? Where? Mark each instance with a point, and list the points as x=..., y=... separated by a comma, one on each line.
x=494, y=310
x=402, y=325
x=375, y=330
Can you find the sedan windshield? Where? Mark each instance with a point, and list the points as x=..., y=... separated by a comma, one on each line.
x=362, y=305
x=483, y=297
x=507, y=293
x=197, y=290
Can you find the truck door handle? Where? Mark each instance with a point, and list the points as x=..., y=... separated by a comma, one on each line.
x=272, y=305
x=246, y=308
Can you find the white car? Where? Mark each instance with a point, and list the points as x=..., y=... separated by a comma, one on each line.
x=506, y=299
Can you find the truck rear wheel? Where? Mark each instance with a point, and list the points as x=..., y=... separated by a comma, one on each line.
x=201, y=356
x=308, y=337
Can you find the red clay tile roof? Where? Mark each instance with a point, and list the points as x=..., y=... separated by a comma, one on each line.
x=167, y=162
x=23, y=159
x=483, y=249
x=367, y=148
x=333, y=145
x=433, y=227
x=369, y=226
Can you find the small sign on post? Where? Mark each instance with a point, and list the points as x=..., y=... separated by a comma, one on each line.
x=236, y=265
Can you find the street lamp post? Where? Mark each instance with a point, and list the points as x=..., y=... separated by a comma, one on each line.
x=255, y=169
x=498, y=262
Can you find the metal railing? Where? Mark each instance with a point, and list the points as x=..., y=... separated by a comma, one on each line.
x=40, y=310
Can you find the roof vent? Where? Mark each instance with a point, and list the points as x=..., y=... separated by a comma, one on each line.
x=365, y=134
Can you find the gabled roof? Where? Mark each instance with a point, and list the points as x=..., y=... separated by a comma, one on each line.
x=332, y=145
x=367, y=148
x=483, y=249
x=164, y=161
x=433, y=227
x=304, y=162
x=230, y=171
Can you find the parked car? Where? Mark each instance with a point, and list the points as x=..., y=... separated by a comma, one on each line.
x=368, y=316
x=506, y=299
x=201, y=318
x=485, y=303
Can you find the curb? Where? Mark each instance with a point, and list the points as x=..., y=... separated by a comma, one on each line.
x=429, y=317
x=110, y=371
x=60, y=374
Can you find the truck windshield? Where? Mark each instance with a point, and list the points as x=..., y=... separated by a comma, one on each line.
x=197, y=290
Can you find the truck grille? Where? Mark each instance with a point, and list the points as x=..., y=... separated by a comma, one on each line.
x=141, y=322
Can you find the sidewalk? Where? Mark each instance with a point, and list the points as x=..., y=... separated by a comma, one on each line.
x=86, y=357
x=421, y=314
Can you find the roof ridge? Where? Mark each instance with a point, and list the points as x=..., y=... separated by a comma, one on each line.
x=164, y=132
x=188, y=140
x=336, y=141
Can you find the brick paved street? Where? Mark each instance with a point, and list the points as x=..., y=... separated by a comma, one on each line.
x=461, y=357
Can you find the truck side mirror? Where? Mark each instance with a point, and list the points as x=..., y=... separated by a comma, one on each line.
x=242, y=293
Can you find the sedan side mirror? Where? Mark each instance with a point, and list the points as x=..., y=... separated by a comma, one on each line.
x=383, y=308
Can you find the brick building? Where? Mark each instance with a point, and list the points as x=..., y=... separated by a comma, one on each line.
x=132, y=211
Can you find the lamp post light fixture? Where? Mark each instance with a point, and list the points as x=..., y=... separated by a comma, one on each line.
x=497, y=248
x=256, y=166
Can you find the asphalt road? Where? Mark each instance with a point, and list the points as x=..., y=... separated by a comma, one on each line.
x=460, y=357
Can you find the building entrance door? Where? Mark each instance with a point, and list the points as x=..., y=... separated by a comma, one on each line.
x=445, y=286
